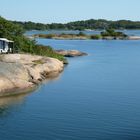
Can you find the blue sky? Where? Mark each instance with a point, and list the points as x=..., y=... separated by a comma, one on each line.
x=48, y=11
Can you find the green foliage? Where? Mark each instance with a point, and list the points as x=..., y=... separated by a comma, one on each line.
x=9, y=29
x=31, y=25
x=15, y=32
x=49, y=36
x=82, y=25
x=47, y=51
x=63, y=35
x=111, y=32
x=95, y=37
x=107, y=33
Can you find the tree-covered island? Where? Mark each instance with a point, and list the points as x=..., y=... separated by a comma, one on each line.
x=107, y=34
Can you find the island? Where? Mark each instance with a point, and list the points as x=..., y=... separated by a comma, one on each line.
x=70, y=53
x=108, y=34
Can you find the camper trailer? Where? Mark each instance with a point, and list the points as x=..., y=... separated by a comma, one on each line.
x=6, y=46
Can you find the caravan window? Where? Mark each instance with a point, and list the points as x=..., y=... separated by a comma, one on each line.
x=1, y=44
x=4, y=45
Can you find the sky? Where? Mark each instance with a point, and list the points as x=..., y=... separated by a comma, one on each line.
x=63, y=11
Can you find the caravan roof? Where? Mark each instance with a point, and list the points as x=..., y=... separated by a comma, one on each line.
x=6, y=40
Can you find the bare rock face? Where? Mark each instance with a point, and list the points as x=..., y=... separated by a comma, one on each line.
x=13, y=76
x=21, y=72
x=134, y=38
x=70, y=53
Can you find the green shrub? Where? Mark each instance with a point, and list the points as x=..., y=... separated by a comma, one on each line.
x=95, y=36
x=47, y=51
x=113, y=33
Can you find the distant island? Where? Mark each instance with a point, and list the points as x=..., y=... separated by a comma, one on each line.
x=91, y=24
x=108, y=34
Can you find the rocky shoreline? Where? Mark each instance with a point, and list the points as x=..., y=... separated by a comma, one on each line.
x=20, y=73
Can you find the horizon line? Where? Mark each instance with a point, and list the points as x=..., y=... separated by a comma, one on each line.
x=74, y=21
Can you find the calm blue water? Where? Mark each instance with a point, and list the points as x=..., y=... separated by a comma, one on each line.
x=97, y=97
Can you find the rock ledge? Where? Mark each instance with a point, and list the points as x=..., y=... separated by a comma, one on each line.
x=22, y=72
x=70, y=53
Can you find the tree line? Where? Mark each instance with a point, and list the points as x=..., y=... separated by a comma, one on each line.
x=81, y=25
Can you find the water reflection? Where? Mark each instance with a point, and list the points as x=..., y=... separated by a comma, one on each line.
x=10, y=100
x=7, y=103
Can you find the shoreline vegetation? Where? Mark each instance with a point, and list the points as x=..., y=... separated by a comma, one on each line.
x=108, y=34
x=23, y=44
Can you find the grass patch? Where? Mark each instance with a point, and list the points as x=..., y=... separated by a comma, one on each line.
x=45, y=51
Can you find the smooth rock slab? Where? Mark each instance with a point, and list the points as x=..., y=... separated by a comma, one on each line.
x=21, y=72
x=70, y=53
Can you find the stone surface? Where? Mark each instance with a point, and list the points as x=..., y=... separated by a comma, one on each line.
x=70, y=53
x=21, y=72
x=134, y=38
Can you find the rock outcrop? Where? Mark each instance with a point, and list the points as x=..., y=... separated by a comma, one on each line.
x=70, y=53
x=134, y=38
x=22, y=72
